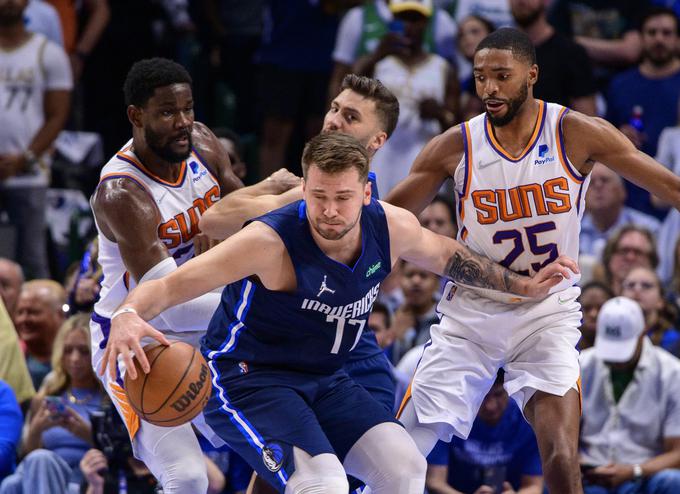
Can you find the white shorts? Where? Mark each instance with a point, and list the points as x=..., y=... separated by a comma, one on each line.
x=535, y=343
x=139, y=429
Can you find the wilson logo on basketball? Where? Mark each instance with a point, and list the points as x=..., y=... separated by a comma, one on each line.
x=194, y=390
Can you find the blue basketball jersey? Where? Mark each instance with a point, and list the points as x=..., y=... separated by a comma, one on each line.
x=313, y=328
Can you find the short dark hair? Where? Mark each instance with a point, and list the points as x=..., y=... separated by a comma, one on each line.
x=147, y=75
x=597, y=285
x=507, y=38
x=386, y=103
x=657, y=11
x=448, y=204
x=335, y=153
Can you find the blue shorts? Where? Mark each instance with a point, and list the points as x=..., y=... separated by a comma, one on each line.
x=374, y=374
x=263, y=412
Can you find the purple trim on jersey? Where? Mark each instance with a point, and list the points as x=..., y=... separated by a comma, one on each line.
x=524, y=155
x=465, y=160
x=180, y=252
x=578, y=198
x=128, y=160
x=560, y=136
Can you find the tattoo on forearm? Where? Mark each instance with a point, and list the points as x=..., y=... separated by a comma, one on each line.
x=473, y=269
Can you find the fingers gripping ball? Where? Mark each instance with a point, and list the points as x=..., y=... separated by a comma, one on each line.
x=176, y=388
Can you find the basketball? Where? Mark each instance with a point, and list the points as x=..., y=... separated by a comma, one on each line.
x=176, y=388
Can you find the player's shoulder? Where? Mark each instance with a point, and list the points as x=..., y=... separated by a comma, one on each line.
x=400, y=221
x=206, y=144
x=583, y=125
x=121, y=193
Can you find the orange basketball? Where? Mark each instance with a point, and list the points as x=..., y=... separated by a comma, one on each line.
x=176, y=388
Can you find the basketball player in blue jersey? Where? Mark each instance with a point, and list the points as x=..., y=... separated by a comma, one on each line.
x=521, y=170
x=301, y=281
x=147, y=206
x=368, y=111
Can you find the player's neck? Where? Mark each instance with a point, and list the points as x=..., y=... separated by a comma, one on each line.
x=13, y=36
x=515, y=135
x=152, y=162
x=345, y=250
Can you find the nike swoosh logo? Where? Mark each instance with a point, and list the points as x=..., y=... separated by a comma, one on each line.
x=562, y=301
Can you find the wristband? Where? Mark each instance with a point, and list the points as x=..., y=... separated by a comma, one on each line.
x=123, y=310
x=637, y=471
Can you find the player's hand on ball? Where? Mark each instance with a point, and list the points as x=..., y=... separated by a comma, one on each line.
x=127, y=331
x=550, y=275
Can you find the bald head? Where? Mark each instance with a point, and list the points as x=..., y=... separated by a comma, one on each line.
x=11, y=279
x=39, y=314
x=607, y=191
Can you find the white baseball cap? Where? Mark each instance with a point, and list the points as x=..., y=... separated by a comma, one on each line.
x=422, y=6
x=619, y=326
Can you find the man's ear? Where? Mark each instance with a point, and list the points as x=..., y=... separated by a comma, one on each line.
x=134, y=114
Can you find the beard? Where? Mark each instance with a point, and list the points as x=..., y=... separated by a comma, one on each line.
x=528, y=18
x=165, y=152
x=331, y=235
x=660, y=58
x=514, y=105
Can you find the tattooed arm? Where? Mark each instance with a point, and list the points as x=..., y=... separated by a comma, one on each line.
x=447, y=257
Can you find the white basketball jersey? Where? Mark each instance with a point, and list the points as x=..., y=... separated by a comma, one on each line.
x=180, y=205
x=524, y=211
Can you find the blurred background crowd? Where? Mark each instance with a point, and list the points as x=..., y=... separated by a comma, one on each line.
x=264, y=73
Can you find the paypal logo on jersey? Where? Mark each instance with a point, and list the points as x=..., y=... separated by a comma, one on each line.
x=196, y=171
x=542, y=151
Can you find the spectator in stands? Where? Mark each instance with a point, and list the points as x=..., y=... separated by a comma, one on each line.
x=643, y=286
x=471, y=30
x=13, y=369
x=37, y=86
x=59, y=432
x=412, y=320
x=41, y=17
x=630, y=427
x=425, y=85
x=11, y=279
x=232, y=144
x=10, y=432
x=496, y=11
x=643, y=100
x=295, y=71
x=592, y=298
x=606, y=213
x=500, y=454
x=566, y=75
x=674, y=285
x=440, y=217
x=607, y=29
x=366, y=30
x=630, y=247
x=38, y=318
x=84, y=291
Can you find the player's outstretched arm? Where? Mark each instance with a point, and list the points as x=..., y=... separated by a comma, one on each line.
x=255, y=250
x=448, y=257
x=433, y=165
x=228, y=215
x=590, y=139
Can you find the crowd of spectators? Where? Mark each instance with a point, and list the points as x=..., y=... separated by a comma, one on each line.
x=264, y=72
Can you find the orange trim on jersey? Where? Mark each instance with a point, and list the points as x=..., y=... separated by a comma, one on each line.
x=404, y=402
x=560, y=149
x=134, y=161
x=534, y=136
x=580, y=395
x=130, y=418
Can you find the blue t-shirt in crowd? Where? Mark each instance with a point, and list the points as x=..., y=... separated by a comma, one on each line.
x=63, y=442
x=491, y=454
x=658, y=99
x=10, y=430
